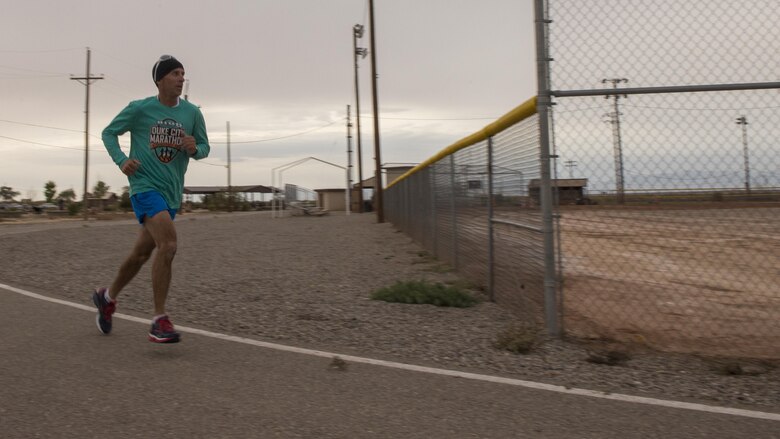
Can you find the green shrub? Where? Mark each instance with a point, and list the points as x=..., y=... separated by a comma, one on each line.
x=518, y=339
x=74, y=209
x=421, y=292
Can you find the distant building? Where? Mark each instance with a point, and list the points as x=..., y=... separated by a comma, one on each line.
x=108, y=201
x=392, y=173
x=331, y=199
x=570, y=190
x=211, y=190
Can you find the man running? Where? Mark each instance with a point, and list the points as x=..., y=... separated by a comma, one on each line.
x=166, y=132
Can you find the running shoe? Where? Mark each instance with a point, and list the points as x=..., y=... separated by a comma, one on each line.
x=105, y=308
x=162, y=331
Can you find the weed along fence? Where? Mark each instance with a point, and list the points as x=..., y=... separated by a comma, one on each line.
x=637, y=198
x=470, y=206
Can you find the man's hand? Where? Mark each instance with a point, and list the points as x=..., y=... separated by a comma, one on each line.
x=129, y=167
x=188, y=145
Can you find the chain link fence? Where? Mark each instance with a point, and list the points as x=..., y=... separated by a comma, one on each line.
x=662, y=126
x=676, y=242
x=470, y=206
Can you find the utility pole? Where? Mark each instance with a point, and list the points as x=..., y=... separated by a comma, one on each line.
x=617, y=142
x=357, y=32
x=571, y=164
x=349, y=162
x=380, y=210
x=230, y=187
x=87, y=80
x=742, y=120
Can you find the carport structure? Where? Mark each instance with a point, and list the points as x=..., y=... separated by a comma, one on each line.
x=211, y=190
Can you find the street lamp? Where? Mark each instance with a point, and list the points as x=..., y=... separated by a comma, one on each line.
x=742, y=120
x=357, y=32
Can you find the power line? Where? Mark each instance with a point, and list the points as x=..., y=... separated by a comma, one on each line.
x=201, y=162
x=435, y=119
x=282, y=137
x=28, y=74
x=42, y=144
x=78, y=148
x=121, y=90
x=41, y=51
x=108, y=54
x=40, y=126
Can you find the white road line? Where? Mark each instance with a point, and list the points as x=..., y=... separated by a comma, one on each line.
x=433, y=370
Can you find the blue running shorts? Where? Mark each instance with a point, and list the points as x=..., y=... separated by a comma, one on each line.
x=149, y=204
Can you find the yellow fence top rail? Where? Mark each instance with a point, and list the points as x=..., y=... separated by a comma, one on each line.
x=521, y=112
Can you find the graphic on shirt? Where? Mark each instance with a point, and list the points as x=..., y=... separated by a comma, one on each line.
x=166, y=138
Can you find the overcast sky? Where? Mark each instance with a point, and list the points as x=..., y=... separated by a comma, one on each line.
x=272, y=68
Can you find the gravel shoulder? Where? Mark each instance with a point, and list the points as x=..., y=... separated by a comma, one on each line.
x=305, y=281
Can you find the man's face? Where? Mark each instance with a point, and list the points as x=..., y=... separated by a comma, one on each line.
x=172, y=83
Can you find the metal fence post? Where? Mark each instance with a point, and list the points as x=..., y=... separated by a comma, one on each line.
x=491, y=260
x=543, y=103
x=454, y=213
x=434, y=220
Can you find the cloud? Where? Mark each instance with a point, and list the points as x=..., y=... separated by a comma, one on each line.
x=270, y=68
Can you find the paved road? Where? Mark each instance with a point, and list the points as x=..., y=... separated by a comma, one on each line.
x=59, y=378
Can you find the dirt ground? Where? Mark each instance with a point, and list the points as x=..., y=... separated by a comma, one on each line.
x=684, y=280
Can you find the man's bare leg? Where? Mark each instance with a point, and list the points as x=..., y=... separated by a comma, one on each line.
x=142, y=250
x=163, y=233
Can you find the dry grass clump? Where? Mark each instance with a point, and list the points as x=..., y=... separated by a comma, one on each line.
x=423, y=292
x=518, y=339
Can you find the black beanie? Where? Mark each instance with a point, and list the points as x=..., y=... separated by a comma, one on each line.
x=163, y=66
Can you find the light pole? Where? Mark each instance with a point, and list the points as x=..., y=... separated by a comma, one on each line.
x=357, y=32
x=348, y=191
x=617, y=142
x=742, y=120
x=230, y=185
x=378, y=191
x=571, y=164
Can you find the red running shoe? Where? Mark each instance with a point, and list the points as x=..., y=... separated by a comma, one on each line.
x=105, y=308
x=162, y=331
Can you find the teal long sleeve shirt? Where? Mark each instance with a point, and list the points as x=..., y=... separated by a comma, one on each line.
x=156, y=136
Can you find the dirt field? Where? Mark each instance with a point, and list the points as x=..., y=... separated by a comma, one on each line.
x=702, y=278
x=685, y=280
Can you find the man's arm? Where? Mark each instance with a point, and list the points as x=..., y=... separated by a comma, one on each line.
x=202, y=147
x=120, y=125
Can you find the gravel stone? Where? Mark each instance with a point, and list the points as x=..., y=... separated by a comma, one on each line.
x=306, y=281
